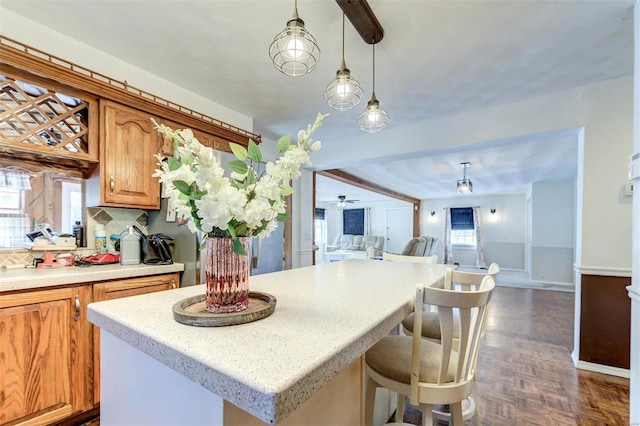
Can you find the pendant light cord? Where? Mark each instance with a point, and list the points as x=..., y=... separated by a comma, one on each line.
x=374, y=68
x=342, y=37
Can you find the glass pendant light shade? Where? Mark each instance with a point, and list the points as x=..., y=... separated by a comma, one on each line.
x=373, y=119
x=294, y=51
x=465, y=186
x=344, y=92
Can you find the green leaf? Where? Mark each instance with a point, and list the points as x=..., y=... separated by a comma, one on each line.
x=238, y=166
x=239, y=151
x=284, y=143
x=286, y=190
x=283, y=217
x=173, y=164
x=231, y=230
x=254, y=152
x=197, y=195
x=241, y=229
x=238, y=248
x=182, y=187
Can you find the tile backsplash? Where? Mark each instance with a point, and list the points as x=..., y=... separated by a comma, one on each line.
x=115, y=220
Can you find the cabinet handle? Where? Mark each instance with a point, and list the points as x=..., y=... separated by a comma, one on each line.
x=112, y=184
x=173, y=284
x=77, y=308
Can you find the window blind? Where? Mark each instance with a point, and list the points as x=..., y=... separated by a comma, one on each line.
x=353, y=221
x=462, y=218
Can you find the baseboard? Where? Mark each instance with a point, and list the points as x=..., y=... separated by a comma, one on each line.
x=604, y=369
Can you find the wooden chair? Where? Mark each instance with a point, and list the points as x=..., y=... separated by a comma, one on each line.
x=453, y=279
x=413, y=259
x=432, y=373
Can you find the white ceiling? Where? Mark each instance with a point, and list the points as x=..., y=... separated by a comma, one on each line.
x=436, y=58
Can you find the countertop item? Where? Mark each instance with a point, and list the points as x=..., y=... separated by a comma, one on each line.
x=27, y=278
x=326, y=317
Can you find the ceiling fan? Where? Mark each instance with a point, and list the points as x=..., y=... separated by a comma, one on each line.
x=342, y=201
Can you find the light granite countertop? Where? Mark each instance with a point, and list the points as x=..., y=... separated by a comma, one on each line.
x=30, y=278
x=326, y=317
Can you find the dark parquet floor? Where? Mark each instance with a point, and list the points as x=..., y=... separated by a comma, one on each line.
x=525, y=372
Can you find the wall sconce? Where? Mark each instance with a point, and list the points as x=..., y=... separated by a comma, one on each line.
x=493, y=211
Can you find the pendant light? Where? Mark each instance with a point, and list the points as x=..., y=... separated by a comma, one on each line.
x=344, y=92
x=373, y=119
x=294, y=51
x=465, y=186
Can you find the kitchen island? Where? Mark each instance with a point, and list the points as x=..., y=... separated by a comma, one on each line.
x=158, y=371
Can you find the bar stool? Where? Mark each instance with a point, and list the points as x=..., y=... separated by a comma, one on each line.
x=432, y=373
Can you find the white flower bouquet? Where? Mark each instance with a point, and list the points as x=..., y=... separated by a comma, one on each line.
x=249, y=202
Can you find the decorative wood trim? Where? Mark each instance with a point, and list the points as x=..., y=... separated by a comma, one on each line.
x=350, y=179
x=634, y=293
x=35, y=61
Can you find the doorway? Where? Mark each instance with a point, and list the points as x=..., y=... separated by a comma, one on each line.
x=399, y=229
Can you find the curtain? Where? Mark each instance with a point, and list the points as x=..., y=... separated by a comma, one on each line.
x=481, y=261
x=448, y=252
x=367, y=221
x=14, y=179
x=13, y=229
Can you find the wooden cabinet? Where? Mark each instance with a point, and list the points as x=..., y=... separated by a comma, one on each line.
x=50, y=353
x=128, y=144
x=123, y=288
x=44, y=355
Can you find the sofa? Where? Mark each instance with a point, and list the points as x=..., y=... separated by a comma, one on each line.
x=371, y=244
x=421, y=246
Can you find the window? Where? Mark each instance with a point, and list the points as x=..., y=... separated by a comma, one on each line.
x=463, y=231
x=320, y=227
x=353, y=221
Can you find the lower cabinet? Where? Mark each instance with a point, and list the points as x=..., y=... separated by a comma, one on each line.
x=123, y=288
x=44, y=357
x=49, y=352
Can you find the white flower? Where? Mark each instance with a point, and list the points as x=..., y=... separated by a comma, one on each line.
x=248, y=201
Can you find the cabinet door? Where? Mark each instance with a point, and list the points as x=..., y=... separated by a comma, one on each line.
x=123, y=288
x=128, y=147
x=44, y=345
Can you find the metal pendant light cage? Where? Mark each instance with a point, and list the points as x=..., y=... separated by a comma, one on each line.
x=294, y=51
x=464, y=185
x=374, y=118
x=344, y=92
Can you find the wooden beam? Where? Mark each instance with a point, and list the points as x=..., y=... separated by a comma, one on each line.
x=363, y=19
x=350, y=179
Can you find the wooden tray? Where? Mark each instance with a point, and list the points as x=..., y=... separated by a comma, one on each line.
x=192, y=311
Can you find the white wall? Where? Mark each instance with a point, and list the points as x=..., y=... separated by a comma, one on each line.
x=503, y=233
x=553, y=225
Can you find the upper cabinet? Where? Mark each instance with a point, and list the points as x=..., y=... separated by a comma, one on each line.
x=128, y=144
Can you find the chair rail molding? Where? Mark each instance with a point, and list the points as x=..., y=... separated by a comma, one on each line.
x=602, y=270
